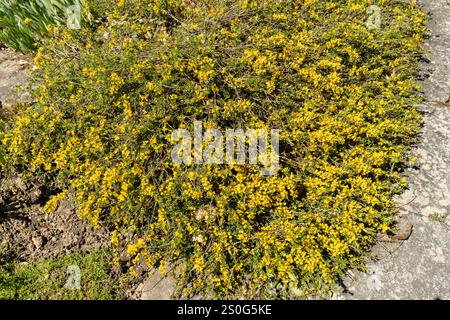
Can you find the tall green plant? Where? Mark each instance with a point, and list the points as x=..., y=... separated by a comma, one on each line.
x=23, y=24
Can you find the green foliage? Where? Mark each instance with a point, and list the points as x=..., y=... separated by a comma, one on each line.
x=342, y=96
x=47, y=279
x=24, y=23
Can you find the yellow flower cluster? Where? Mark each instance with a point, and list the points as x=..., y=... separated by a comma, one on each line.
x=341, y=95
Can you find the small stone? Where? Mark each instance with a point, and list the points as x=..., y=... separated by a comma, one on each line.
x=157, y=287
x=123, y=257
x=35, y=195
x=447, y=220
x=20, y=184
x=37, y=241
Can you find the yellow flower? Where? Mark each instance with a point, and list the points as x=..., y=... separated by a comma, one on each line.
x=51, y=205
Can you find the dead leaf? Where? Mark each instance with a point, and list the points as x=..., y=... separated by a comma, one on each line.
x=404, y=232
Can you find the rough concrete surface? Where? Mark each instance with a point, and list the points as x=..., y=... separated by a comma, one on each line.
x=419, y=268
x=156, y=287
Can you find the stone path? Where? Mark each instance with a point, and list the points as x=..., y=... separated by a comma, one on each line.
x=419, y=268
x=13, y=72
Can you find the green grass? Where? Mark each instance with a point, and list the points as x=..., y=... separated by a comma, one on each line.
x=46, y=280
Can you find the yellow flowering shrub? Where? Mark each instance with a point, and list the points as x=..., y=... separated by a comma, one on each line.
x=343, y=97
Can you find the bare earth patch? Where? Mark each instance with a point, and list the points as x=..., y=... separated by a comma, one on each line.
x=26, y=232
